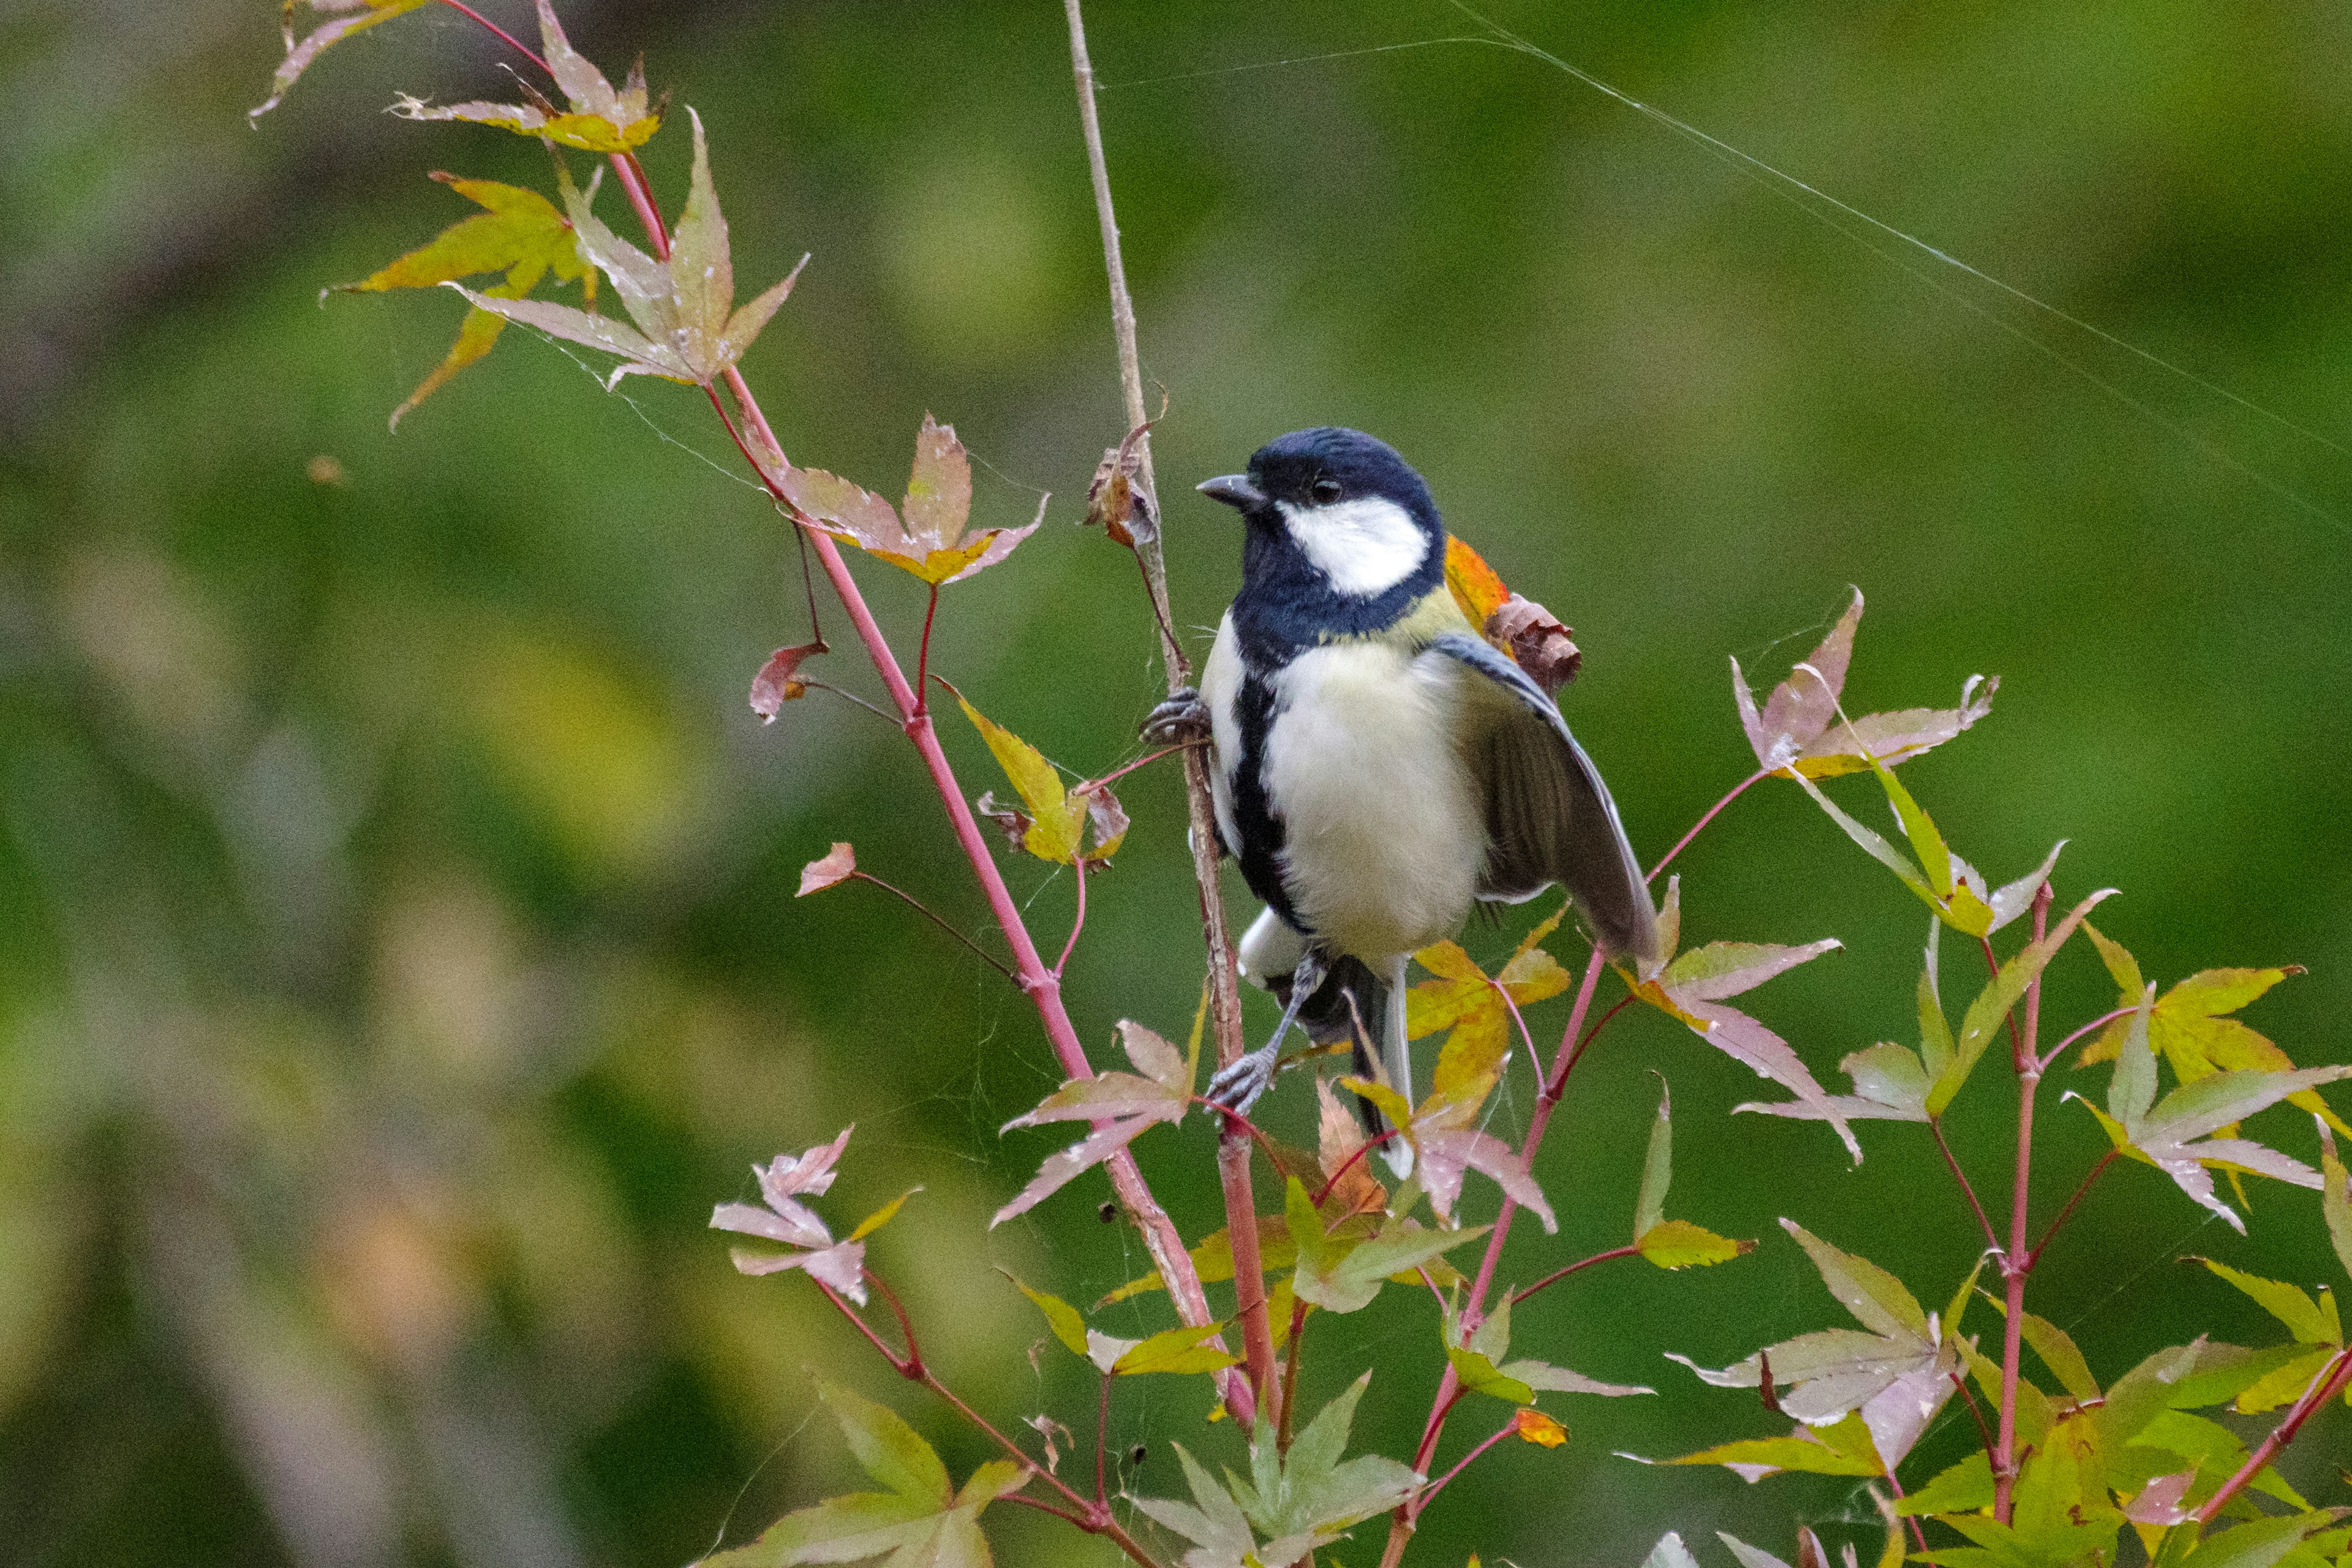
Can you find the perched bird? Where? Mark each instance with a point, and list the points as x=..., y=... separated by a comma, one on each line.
x=1379, y=767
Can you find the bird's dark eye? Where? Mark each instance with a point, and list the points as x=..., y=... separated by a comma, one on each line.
x=1325, y=490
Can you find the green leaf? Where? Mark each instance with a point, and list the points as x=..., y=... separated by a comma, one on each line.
x=882, y=1215
x=1479, y=1375
x=2306, y=1319
x=1343, y=1276
x=1068, y=1326
x=2335, y=1197
x=838, y=1530
x=1657, y=1168
x=2257, y=1544
x=683, y=330
x=1992, y=1007
x=1312, y=1491
x=1962, y=1489
x=1876, y=1298
x=890, y=1450
x=1178, y=1349
x=1842, y=1449
x=1936, y=1045
x=1679, y=1244
x=1056, y=822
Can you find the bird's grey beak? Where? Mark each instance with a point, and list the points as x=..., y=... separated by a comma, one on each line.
x=1234, y=490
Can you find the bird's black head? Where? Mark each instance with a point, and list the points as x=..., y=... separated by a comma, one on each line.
x=1343, y=536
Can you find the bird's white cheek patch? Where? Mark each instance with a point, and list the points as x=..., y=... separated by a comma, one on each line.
x=1365, y=546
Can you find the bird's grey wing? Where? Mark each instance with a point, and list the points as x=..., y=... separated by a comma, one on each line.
x=1549, y=816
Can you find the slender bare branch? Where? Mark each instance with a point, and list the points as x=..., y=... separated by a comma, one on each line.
x=1224, y=993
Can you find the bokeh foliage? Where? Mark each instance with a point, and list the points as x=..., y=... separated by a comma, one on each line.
x=399, y=955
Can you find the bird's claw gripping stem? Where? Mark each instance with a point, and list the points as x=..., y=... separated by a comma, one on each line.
x=1180, y=720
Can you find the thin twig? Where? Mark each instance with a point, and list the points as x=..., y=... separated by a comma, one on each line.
x=913, y=1364
x=2324, y=1386
x=1684, y=842
x=1918, y=1533
x=2015, y=1265
x=1558, y=1085
x=1242, y=1395
x=1984, y=1427
x=1429, y=1492
x=2060, y=1049
x=925, y=912
x=516, y=45
x=923, y=653
x=847, y=697
x=1559, y=1274
x=1992, y=1236
x=1125, y=768
x=2098, y=1170
x=1291, y=1373
x=1077, y=920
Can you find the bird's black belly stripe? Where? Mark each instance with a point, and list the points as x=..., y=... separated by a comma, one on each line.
x=1262, y=833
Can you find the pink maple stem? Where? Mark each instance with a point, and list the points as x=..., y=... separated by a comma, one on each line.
x=1077, y=921
x=1559, y=1274
x=1967, y=1188
x=516, y=45
x=1448, y=1385
x=1160, y=1237
x=2105, y=1019
x=1684, y=842
x=2016, y=1262
x=1429, y=1492
x=2326, y=1385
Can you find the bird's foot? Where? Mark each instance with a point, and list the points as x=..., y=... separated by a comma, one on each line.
x=1180, y=721
x=1237, y=1087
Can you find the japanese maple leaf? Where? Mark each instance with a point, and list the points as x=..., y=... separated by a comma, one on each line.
x=1691, y=987
x=1895, y=1370
x=922, y=1519
x=2174, y=1135
x=1799, y=729
x=2191, y=1029
x=1119, y=1104
x=349, y=17
x=784, y=1181
x=688, y=327
x=925, y=536
x=519, y=232
x=1522, y=629
x=601, y=120
x=1463, y=997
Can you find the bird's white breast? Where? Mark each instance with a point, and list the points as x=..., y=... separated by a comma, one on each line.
x=1363, y=547
x=1384, y=835
x=1220, y=685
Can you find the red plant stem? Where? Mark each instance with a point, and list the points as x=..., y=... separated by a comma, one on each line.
x=1160, y=1237
x=2065, y=1214
x=1125, y=768
x=1428, y=1493
x=1684, y=842
x=1558, y=1085
x=1077, y=921
x=1243, y=1392
x=903, y=1365
x=2105, y=1019
x=914, y=1358
x=2324, y=1386
x=1559, y=1274
x=1290, y=1372
x=1984, y=1427
x=1918, y=1533
x=928, y=913
x=516, y=45
x=1449, y=1387
x=923, y=657
x=2015, y=1263
x=1042, y=1506
x=1992, y=1236
x=1102, y=1437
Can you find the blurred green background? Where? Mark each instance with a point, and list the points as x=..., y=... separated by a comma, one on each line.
x=397, y=948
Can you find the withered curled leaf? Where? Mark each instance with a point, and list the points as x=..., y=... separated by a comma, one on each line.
x=778, y=682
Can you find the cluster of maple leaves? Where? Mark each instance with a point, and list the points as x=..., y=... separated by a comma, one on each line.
x=2096, y=1460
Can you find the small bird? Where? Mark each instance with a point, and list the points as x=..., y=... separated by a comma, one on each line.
x=1379, y=768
